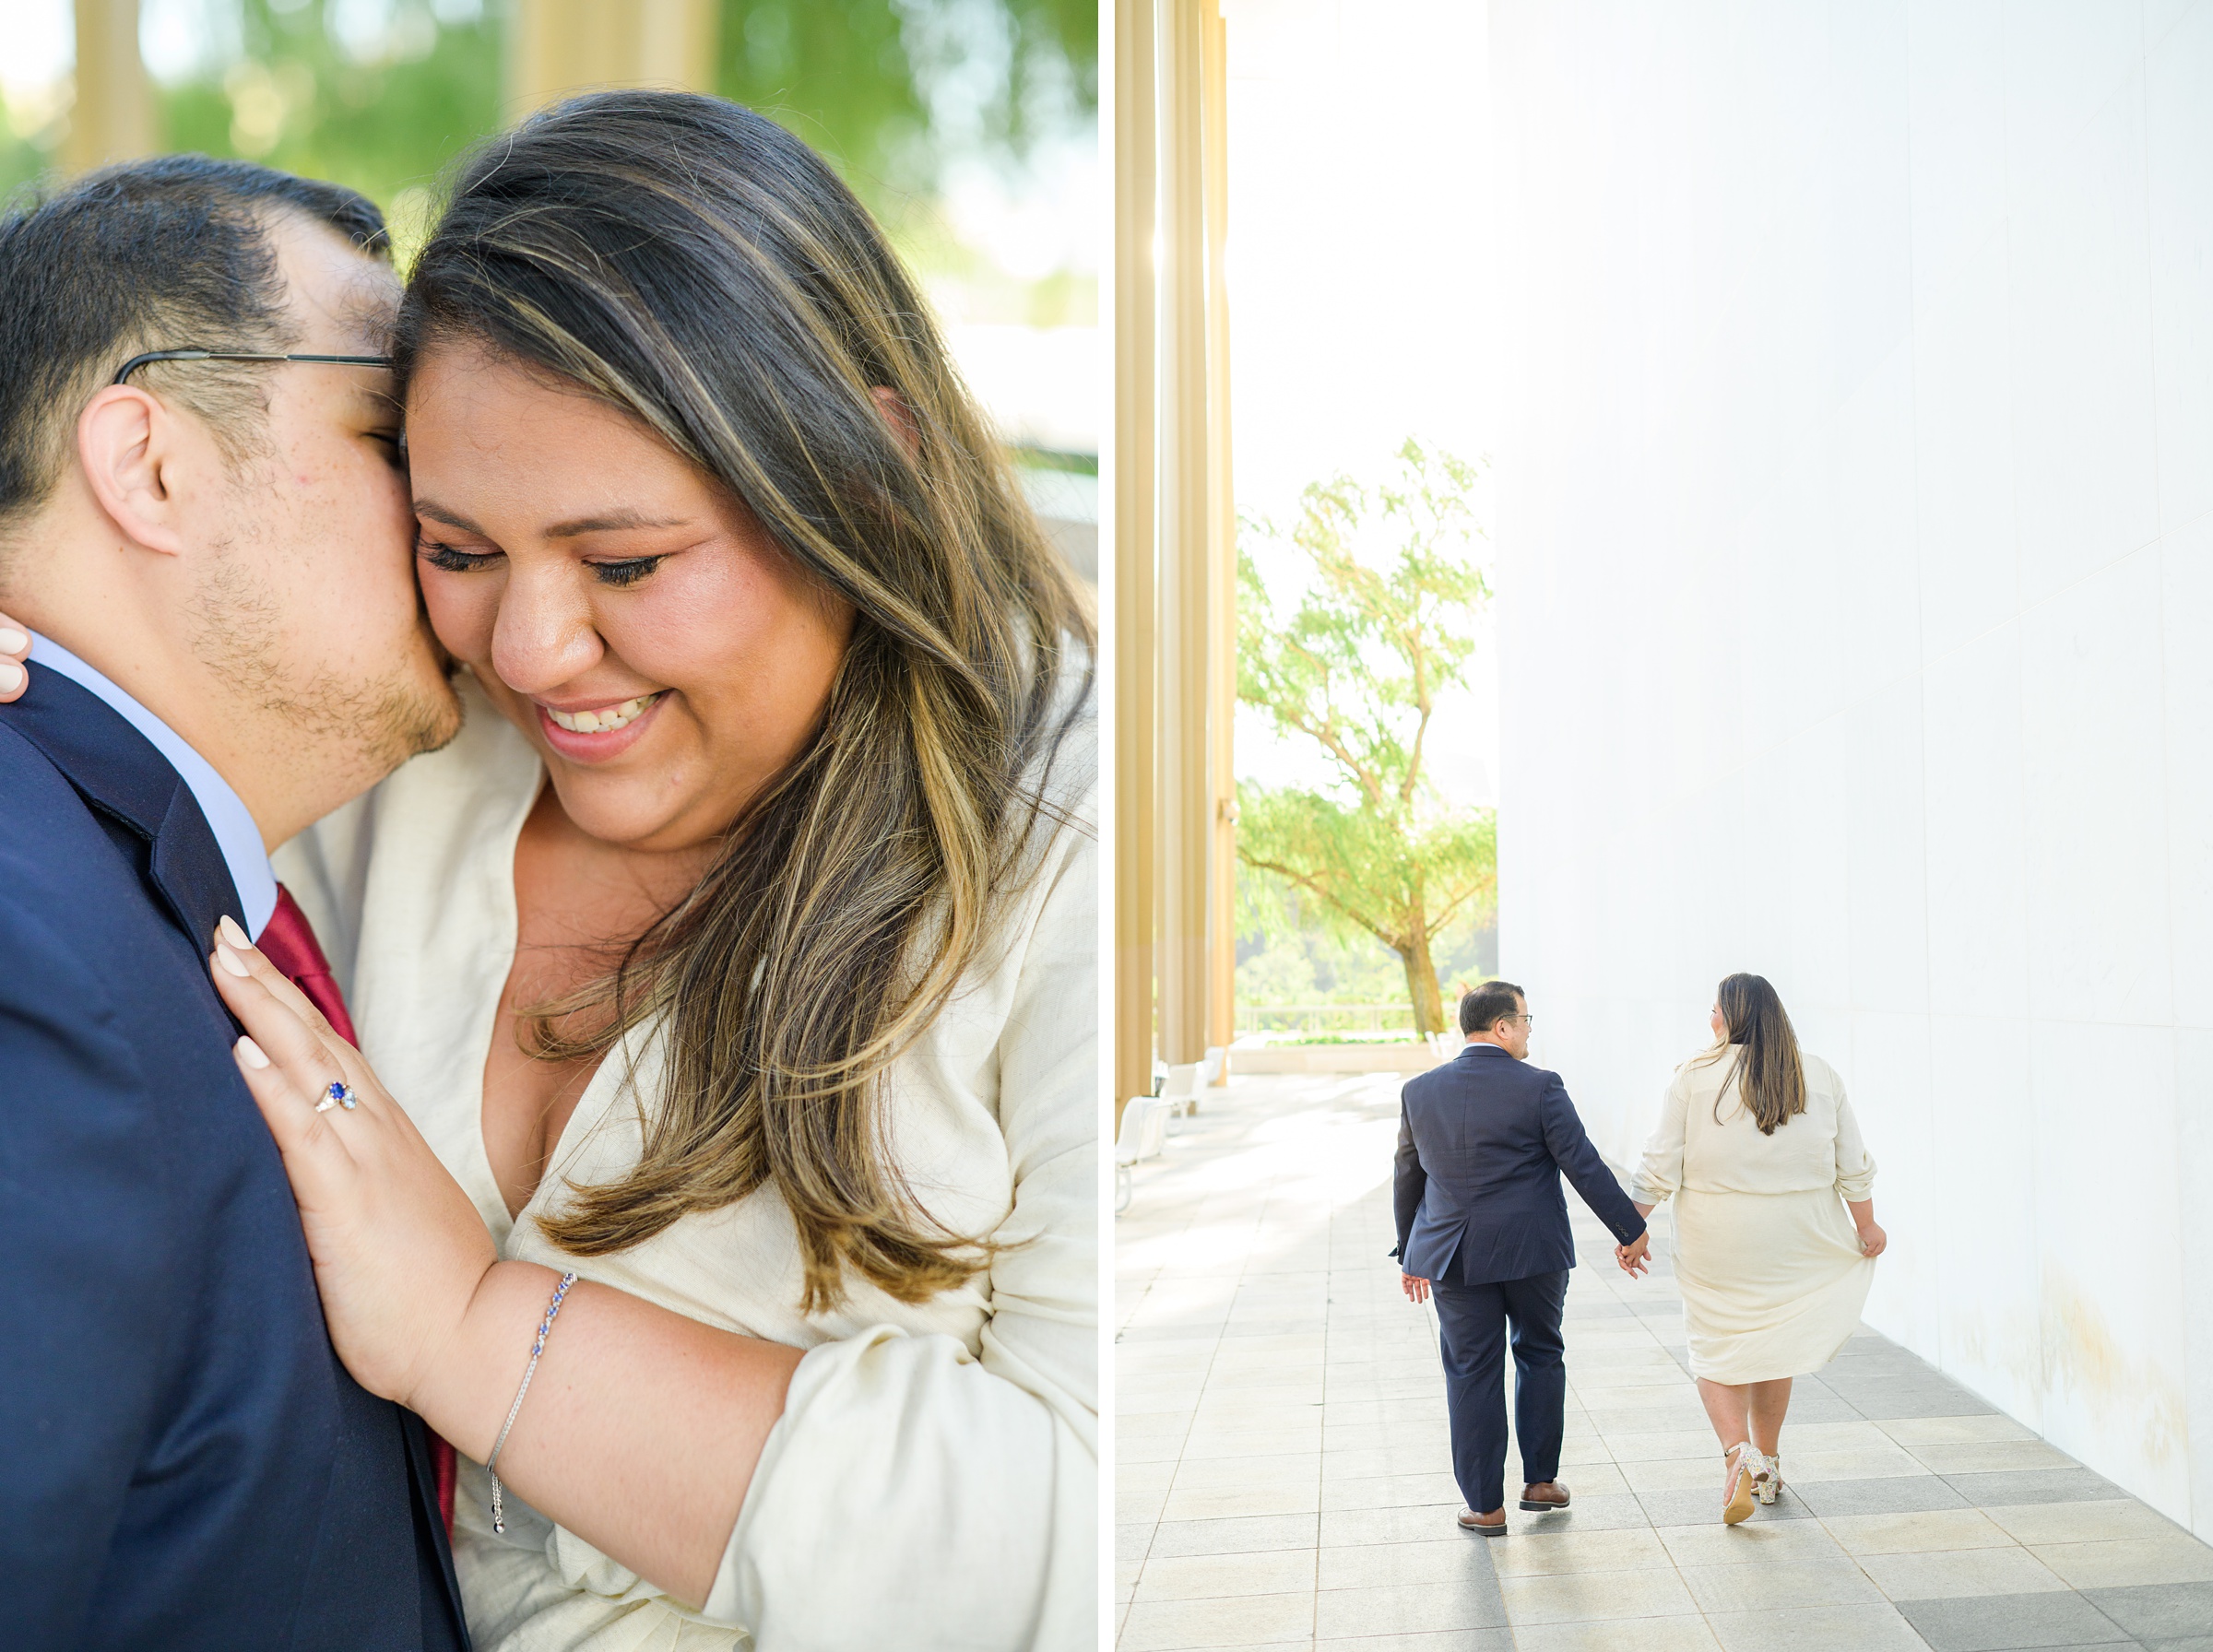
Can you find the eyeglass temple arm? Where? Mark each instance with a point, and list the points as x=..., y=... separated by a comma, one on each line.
x=136, y=362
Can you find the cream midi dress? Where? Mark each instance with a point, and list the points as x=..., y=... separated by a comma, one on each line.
x=1765, y=1258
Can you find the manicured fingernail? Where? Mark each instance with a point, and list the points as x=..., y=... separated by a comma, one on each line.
x=13, y=641
x=228, y=929
x=250, y=1053
x=11, y=676
x=230, y=960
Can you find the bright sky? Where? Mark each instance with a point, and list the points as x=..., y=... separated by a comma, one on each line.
x=41, y=44
x=1359, y=228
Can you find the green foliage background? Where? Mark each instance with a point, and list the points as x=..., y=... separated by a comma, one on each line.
x=377, y=126
x=854, y=78
x=1288, y=953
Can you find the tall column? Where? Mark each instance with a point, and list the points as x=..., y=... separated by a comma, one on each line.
x=1221, y=564
x=558, y=47
x=113, y=118
x=1130, y=500
x=1186, y=591
x=1175, y=610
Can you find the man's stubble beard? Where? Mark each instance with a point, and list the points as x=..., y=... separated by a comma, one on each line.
x=363, y=729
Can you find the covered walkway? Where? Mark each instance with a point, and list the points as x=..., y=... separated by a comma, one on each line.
x=1283, y=1479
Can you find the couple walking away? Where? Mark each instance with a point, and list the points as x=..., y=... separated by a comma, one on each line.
x=657, y=1077
x=1758, y=1148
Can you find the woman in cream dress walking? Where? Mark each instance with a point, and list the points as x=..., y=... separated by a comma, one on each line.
x=1760, y=1150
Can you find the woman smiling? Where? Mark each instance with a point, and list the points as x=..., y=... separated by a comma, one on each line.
x=737, y=958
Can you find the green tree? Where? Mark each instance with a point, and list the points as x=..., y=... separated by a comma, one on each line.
x=888, y=89
x=1384, y=626
x=384, y=119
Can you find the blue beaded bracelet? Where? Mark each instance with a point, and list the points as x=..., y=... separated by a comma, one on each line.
x=545, y=1327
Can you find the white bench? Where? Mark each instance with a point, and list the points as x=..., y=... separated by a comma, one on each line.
x=1144, y=1134
x=1180, y=1089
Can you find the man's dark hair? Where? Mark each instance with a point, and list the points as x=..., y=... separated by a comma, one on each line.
x=1489, y=1004
x=153, y=254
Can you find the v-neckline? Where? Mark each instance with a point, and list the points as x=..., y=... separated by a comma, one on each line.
x=592, y=1101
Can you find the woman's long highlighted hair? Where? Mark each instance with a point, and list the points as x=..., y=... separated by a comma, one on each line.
x=697, y=266
x=1768, y=1071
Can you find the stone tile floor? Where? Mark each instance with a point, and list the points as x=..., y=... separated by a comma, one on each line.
x=1284, y=1480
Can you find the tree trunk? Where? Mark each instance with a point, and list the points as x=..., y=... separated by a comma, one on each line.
x=1421, y=983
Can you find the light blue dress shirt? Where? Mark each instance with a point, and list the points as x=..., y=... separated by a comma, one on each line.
x=235, y=834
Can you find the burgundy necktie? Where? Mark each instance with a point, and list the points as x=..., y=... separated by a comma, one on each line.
x=288, y=942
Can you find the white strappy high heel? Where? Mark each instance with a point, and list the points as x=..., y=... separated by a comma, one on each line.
x=1769, y=1480
x=1740, y=1488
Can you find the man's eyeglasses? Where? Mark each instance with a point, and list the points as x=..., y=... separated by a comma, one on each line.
x=136, y=362
x=1527, y=1020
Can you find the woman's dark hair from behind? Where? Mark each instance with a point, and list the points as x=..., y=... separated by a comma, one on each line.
x=1769, y=1073
x=700, y=268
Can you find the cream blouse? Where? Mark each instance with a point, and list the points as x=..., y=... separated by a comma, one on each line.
x=933, y=1479
x=1691, y=1151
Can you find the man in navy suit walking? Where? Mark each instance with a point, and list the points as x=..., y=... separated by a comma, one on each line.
x=204, y=521
x=1483, y=1143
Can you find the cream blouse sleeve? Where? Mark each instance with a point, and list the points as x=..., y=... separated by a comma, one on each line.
x=1660, y=1172
x=912, y=1497
x=1855, y=1168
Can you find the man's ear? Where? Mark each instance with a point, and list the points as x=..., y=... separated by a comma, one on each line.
x=126, y=441
x=899, y=416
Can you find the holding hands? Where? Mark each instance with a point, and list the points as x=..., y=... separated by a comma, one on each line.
x=1636, y=1257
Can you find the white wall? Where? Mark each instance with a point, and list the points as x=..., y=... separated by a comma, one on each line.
x=1855, y=529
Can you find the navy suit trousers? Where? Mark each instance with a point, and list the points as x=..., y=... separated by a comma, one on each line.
x=1471, y=1322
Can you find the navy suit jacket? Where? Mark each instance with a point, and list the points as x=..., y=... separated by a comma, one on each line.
x=1483, y=1143
x=184, y=1464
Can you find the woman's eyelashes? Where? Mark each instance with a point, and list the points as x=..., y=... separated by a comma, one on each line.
x=629, y=571
x=446, y=558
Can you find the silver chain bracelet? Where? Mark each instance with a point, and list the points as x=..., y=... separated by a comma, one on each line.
x=545, y=1327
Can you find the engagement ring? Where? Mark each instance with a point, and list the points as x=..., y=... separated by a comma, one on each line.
x=337, y=1095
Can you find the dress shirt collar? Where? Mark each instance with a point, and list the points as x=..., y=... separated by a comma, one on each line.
x=235, y=834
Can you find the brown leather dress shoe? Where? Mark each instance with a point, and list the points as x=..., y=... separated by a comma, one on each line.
x=1545, y=1495
x=1492, y=1525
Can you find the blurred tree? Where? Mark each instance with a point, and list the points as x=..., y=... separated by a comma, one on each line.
x=886, y=87
x=23, y=157
x=382, y=114
x=1384, y=626
x=889, y=89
